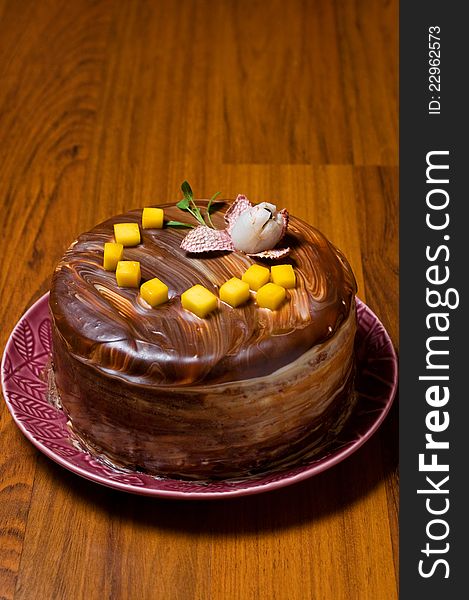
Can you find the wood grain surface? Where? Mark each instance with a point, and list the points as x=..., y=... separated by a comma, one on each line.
x=108, y=105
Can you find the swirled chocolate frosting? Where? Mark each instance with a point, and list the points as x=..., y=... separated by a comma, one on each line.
x=114, y=330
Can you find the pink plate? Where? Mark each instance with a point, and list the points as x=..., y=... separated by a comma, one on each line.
x=24, y=388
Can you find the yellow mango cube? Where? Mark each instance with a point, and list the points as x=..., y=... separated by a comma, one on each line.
x=283, y=275
x=113, y=253
x=199, y=300
x=256, y=276
x=152, y=218
x=270, y=296
x=234, y=292
x=128, y=273
x=127, y=234
x=154, y=292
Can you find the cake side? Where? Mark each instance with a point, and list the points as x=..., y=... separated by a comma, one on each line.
x=221, y=430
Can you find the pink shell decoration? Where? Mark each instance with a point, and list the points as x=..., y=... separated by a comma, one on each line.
x=240, y=205
x=274, y=254
x=205, y=239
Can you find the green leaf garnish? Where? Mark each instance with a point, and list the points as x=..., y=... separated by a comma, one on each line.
x=183, y=204
x=211, y=200
x=187, y=190
x=178, y=224
x=187, y=203
x=209, y=207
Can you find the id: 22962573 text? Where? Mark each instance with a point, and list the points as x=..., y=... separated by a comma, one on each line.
x=434, y=80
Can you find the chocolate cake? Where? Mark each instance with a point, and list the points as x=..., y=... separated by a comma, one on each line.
x=165, y=391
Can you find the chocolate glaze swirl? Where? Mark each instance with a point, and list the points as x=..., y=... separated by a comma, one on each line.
x=114, y=330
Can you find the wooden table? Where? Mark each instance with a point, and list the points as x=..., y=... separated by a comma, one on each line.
x=109, y=105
